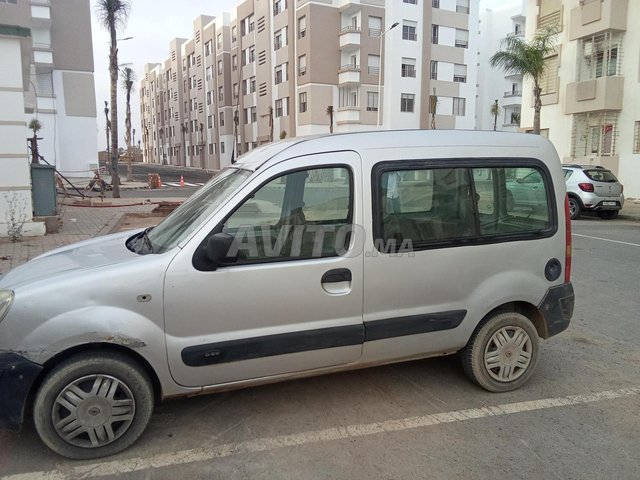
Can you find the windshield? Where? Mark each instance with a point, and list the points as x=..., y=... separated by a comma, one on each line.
x=185, y=219
x=601, y=175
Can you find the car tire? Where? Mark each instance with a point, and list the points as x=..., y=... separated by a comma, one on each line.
x=502, y=353
x=92, y=405
x=574, y=208
x=608, y=214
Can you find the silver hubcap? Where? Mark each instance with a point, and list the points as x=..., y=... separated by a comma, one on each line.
x=508, y=354
x=572, y=207
x=93, y=411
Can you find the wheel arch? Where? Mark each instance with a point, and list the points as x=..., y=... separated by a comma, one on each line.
x=523, y=308
x=576, y=197
x=60, y=357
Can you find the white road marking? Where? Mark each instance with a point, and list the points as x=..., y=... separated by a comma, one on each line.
x=606, y=240
x=119, y=467
x=177, y=184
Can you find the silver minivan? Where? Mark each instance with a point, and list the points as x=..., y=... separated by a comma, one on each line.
x=308, y=256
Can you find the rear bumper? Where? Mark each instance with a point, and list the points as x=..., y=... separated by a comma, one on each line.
x=557, y=308
x=17, y=375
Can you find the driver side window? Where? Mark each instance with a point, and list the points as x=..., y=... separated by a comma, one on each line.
x=299, y=215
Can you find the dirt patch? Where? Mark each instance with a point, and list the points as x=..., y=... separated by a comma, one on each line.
x=132, y=221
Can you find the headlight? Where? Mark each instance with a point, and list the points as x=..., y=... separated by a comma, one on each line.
x=6, y=299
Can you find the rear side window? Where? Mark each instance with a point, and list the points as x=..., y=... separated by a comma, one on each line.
x=567, y=174
x=601, y=175
x=429, y=207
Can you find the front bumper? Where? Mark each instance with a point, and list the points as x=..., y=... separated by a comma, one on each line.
x=17, y=375
x=557, y=308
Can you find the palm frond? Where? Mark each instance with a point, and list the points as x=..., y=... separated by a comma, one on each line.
x=113, y=13
x=128, y=78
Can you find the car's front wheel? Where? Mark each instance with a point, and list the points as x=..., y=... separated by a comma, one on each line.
x=92, y=405
x=502, y=353
x=574, y=208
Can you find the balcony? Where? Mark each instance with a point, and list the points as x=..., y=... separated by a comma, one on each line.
x=346, y=115
x=604, y=93
x=349, y=74
x=349, y=38
x=550, y=19
x=513, y=93
x=593, y=16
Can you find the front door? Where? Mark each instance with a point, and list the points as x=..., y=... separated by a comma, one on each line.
x=291, y=298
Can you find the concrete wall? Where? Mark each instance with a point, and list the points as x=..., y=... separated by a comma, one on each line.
x=15, y=180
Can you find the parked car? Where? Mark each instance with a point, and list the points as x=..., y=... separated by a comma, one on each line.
x=307, y=256
x=593, y=189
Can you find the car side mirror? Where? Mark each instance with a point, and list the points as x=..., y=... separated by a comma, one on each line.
x=219, y=247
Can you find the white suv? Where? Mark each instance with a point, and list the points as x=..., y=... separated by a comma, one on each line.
x=593, y=189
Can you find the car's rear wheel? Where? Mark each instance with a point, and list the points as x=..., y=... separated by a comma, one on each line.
x=502, y=353
x=574, y=208
x=608, y=214
x=93, y=405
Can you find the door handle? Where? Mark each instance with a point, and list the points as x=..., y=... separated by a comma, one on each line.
x=337, y=275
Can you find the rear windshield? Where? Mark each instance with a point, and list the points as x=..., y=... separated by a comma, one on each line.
x=601, y=175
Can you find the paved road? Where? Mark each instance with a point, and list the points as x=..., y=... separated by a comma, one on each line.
x=578, y=417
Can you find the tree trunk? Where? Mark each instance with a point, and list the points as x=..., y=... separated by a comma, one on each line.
x=537, y=106
x=113, y=70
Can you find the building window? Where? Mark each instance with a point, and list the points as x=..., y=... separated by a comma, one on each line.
x=460, y=73
x=252, y=54
x=220, y=94
x=372, y=101
x=409, y=67
x=207, y=48
x=221, y=147
x=348, y=96
x=252, y=85
x=549, y=79
x=210, y=121
x=462, y=38
x=407, y=101
x=375, y=26
x=277, y=41
x=302, y=65
x=234, y=62
x=278, y=108
x=435, y=3
x=636, y=138
x=221, y=115
x=282, y=107
x=280, y=74
x=219, y=41
x=462, y=6
x=302, y=100
x=219, y=67
x=254, y=114
x=209, y=98
x=599, y=55
x=434, y=70
x=409, y=31
x=435, y=33
x=234, y=34
x=413, y=2
x=373, y=67
x=302, y=27
x=279, y=6
x=594, y=133
x=459, y=106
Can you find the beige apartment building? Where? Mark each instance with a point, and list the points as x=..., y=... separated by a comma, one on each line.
x=591, y=107
x=271, y=69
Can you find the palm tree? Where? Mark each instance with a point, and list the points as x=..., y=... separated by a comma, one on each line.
x=495, y=111
x=35, y=126
x=127, y=79
x=527, y=58
x=330, y=113
x=113, y=15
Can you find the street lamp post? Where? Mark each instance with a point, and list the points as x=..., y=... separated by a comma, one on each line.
x=380, y=69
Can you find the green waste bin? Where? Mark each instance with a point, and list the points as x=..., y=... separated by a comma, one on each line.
x=43, y=181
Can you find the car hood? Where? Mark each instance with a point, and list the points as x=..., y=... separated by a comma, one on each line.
x=89, y=254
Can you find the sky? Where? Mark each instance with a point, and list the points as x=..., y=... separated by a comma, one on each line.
x=152, y=24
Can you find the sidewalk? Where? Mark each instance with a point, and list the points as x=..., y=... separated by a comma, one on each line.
x=630, y=211
x=76, y=224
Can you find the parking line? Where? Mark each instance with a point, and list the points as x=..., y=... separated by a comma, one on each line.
x=606, y=240
x=119, y=467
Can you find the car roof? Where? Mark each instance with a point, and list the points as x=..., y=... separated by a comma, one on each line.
x=378, y=140
x=584, y=167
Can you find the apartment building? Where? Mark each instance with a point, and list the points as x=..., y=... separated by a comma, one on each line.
x=493, y=84
x=60, y=91
x=591, y=110
x=284, y=68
